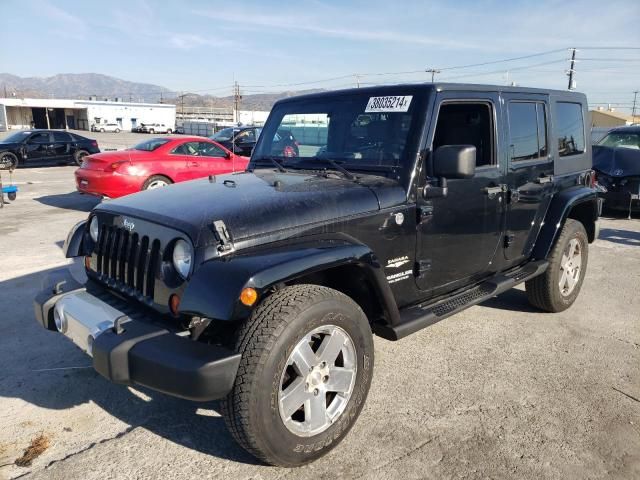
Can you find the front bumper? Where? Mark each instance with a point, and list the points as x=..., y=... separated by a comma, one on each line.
x=134, y=351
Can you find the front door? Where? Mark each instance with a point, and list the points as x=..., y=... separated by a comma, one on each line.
x=37, y=146
x=459, y=234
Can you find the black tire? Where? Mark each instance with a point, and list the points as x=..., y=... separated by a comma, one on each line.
x=152, y=131
x=79, y=156
x=12, y=196
x=117, y=130
x=265, y=341
x=169, y=132
x=102, y=130
x=544, y=291
x=8, y=161
x=155, y=178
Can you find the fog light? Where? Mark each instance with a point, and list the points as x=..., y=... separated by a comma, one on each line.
x=174, y=303
x=248, y=296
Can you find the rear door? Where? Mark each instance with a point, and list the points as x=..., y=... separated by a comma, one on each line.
x=530, y=172
x=60, y=146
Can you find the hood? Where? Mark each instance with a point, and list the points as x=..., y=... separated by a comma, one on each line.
x=616, y=161
x=255, y=204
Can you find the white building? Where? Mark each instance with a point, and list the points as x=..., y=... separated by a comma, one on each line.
x=22, y=113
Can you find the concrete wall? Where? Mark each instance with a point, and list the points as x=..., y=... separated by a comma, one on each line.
x=128, y=115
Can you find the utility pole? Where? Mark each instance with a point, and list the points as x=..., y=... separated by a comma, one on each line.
x=236, y=102
x=161, y=97
x=571, y=71
x=633, y=110
x=357, y=77
x=433, y=72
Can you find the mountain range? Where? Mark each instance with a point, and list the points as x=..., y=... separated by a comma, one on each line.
x=85, y=85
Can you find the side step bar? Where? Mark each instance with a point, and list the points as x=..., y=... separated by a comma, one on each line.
x=423, y=315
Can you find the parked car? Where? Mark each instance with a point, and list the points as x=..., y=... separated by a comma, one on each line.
x=108, y=127
x=242, y=140
x=154, y=163
x=28, y=146
x=264, y=288
x=154, y=128
x=616, y=160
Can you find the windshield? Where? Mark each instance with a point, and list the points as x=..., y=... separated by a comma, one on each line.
x=621, y=139
x=224, y=135
x=150, y=145
x=16, y=137
x=359, y=131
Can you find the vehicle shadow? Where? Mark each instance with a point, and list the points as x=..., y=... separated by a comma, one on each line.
x=622, y=237
x=70, y=201
x=44, y=369
x=512, y=300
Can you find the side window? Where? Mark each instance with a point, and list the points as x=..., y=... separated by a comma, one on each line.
x=569, y=128
x=189, y=148
x=210, y=150
x=467, y=123
x=39, y=138
x=61, y=137
x=527, y=131
x=248, y=136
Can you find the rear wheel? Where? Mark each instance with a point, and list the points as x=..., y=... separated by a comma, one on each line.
x=8, y=161
x=78, y=157
x=152, y=131
x=156, y=181
x=557, y=288
x=306, y=368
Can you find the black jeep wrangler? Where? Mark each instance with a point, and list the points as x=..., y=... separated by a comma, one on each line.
x=405, y=205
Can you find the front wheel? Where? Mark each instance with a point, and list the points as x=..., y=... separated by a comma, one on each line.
x=557, y=288
x=305, y=372
x=8, y=161
x=169, y=132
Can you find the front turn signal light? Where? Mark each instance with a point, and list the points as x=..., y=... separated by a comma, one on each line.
x=174, y=303
x=248, y=296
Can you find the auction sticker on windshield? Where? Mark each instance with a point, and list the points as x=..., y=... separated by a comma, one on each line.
x=399, y=103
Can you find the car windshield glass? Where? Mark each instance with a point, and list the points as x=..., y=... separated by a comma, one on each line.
x=223, y=135
x=359, y=131
x=150, y=145
x=621, y=139
x=15, y=137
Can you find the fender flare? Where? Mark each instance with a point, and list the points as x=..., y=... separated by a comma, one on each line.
x=73, y=244
x=214, y=289
x=558, y=212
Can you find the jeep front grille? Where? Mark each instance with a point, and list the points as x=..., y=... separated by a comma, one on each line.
x=127, y=261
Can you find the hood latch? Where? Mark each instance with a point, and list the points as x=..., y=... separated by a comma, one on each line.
x=225, y=245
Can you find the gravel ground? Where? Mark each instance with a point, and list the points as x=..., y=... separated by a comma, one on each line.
x=498, y=391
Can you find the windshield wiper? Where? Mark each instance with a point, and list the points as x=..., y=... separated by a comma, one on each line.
x=338, y=167
x=278, y=165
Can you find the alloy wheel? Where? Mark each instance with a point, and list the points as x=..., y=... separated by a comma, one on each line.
x=318, y=381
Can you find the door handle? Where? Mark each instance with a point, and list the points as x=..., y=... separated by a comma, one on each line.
x=193, y=164
x=491, y=192
x=545, y=179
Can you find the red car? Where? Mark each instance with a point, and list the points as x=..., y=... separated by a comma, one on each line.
x=155, y=163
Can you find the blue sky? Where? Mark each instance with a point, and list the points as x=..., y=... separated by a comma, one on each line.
x=206, y=45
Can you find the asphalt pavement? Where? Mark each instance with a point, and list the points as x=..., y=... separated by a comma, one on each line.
x=498, y=391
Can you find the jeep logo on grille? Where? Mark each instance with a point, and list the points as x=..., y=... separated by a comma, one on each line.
x=127, y=224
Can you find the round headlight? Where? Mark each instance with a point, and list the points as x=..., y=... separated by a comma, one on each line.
x=182, y=257
x=93, y=229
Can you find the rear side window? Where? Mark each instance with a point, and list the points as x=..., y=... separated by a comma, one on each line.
x=527, y=131
x=569, y=129
x=61, y=137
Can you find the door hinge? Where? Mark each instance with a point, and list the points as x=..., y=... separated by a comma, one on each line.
x=422, y=267
x=508, y=240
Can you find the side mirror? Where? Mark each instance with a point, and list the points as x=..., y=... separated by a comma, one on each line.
x=454, y=161
x=227, y=155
